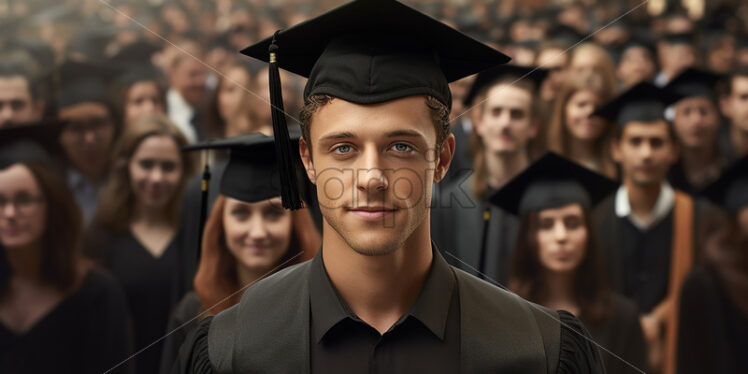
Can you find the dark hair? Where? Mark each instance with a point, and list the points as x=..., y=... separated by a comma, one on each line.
x=120, y=91
x=59, y=257
x=590, y=285
x=439, y=116
x=9, y=69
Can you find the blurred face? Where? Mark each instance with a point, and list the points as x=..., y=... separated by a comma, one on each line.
x=88, y=137
x=696, y=122
x=578, y=121
x=721, y=57
x=678, y=57
x=645, y=152
x=562, y=238
x=373, y=166
x=231, y=94
x=155, y=171
x=257, y=234
x=143, y=99
x=586, y=62
x=637, y=64
x=553, y=59
x=459, y=90
x=15, y=101
x=736, y=105
x=505, y=125
x=188, y=77
x=23, y=210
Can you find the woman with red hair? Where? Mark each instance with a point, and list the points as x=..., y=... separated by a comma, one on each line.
x=248, y=236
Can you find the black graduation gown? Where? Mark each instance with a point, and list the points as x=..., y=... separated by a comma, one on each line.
x=457, y=222
x=712, y=332
x=620, y=333
x=87, y=332
x=268, y=331
x=183, y=321
x=150, y=285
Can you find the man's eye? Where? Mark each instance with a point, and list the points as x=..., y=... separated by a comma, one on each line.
x=401, y=147
x=342, y=149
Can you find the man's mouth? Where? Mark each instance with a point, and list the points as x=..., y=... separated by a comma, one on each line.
x=372, y=212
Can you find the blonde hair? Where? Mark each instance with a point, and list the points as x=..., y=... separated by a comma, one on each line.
x=558, y=131
x=116, y=200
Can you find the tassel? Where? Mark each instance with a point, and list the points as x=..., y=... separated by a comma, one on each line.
x=287, y=163
x=203, y=207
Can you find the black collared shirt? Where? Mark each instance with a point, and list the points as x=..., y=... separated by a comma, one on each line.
x=426, y=339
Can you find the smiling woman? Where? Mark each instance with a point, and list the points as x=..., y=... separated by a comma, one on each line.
x=52, y=301
x=133, y=234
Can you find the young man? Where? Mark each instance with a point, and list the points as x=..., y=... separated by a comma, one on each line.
x=479, y=234
x=90, y=130
x=735, y=107
x=696, y=122
x=646, y=228
x=379, y=297
x=19, y=100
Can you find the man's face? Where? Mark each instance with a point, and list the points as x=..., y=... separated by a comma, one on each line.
x=16, y=105
x=736, y=105
x=373, y=166
x=636, y=65
x=188, y=78
x=645, y=152
x=696, y=122
x=505, y=124
x=88, y=137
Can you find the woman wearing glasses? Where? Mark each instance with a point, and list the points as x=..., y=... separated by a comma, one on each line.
x=54, y=305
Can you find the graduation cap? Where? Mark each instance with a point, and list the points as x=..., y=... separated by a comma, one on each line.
x=251, y=174
x=82, y=82
x=552, y=182
x=37, y=142
x=488, y=78
x=367, y=52
x=693, y=82
x=644, y=102
x=730, y=191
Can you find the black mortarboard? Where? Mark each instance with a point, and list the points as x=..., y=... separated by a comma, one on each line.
x=552, y=182
x=488, y=78
x=693, y=82
x=82, y=82
x=730, y=191
x=37, y=142
x=367, y=52
x=251, y=174
x=644, y=102
x=564, y=34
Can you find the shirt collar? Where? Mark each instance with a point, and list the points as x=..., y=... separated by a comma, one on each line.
x=430, y=308
x=663, y=206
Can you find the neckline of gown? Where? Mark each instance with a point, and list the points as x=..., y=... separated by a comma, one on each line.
x=52, y=311
x=150, y=255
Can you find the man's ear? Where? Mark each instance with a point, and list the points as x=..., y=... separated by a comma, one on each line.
x=306, y=158
x=444, y=159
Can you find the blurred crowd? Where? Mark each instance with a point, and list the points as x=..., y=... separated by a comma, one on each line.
x=124, y=85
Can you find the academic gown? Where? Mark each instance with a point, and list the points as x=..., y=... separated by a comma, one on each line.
x=269, y=331
x=183, y=321
x=620, y=333
x=457, y=221
x=713, y=332
x=87, y=332
x=150, y=285
x=638, y=262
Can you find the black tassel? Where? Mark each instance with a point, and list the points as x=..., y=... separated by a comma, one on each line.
x=203, y=207
x=287, y=163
